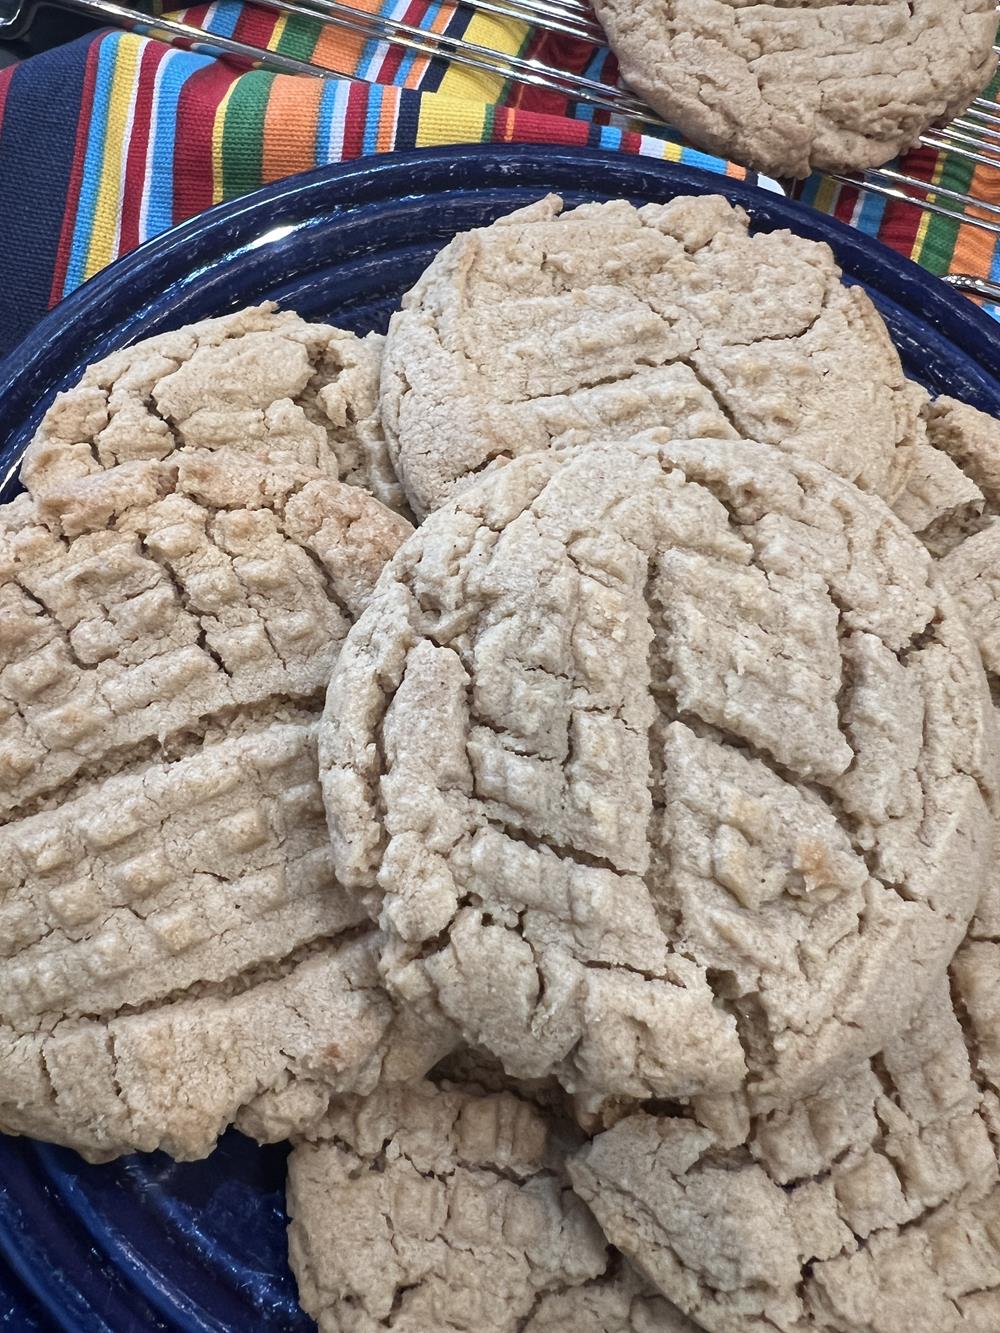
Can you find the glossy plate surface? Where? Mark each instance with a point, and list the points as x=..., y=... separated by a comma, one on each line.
x=144, y=1244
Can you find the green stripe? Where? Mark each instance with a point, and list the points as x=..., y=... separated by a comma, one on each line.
x=942, y=234
x=243, y=134
x=300, y=37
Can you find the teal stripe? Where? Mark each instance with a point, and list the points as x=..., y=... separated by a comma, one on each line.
x=174, y=73
x=331, y=113
x=224, y=17
x=872, y=211
x=93, y=160
x=373, y=111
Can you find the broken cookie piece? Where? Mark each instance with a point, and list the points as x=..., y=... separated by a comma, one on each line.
x=550, y=329
x=951, y=500
x=260, y=382
x=666, y=768
x=442, y=1207
x=873, y=1205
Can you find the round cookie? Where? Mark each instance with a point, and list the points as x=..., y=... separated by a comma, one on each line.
x=808, y=85
x=667, y=769
x=550, y=329
x=175, y=951
x=432, y=1207
x=260, y=381
x=874, y=1205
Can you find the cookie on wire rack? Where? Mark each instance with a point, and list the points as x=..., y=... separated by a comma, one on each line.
x=803, y=86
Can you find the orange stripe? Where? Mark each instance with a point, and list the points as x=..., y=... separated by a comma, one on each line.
x=387, y=120
x=419, y=67
x=290, y=127
x=340, y=50
x=974, y=247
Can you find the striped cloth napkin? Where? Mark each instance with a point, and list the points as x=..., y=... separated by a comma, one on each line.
x=109, y=140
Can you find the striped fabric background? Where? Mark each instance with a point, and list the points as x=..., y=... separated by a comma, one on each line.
x=110, y=140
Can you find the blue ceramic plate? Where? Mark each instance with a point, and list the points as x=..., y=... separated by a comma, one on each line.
x=144, y=1244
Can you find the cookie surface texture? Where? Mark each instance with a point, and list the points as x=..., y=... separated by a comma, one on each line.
x=262, y=381
x=956, y=513
x=791, y=88
x=175, y=951
x=667, y=769
x=874, y=1205
x=432, y=1207
x=550, y=329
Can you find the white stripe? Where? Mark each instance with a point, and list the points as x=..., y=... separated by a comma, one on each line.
x=150, y=141
x=126, y=141
x=336, y=146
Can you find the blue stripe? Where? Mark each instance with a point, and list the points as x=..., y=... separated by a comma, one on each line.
x=93, y=158
x=871, y=213
x=594, y=69
x=327, y=117
x=175, y=71
x=43, y=107
x=225, y=17
x=455, y=27
x=368, y=52
x=370, y=140
x=410, y=57
x=810, y=187
x=691, y=157
x=995, y=276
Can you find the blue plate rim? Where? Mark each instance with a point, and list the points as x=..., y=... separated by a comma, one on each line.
x=175, y=254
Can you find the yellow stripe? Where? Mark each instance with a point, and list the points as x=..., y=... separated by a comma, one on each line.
x=445, y=120
x=925, y=218
x=102, y=240
x=826, y=193
x=278, y=33
x=218, y=127
x=498, y=34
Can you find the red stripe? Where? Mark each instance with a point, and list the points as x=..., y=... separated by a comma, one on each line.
x=847, y=198
x=354, y=120
x=196, y=108
x=562, y=52
x=901, y=221
x=393, y=57
x=531, y=127
x=135, y=161
x=391, y=62
x=5, y=77
x=196, y=15
x=76, y=173
x=255, y=25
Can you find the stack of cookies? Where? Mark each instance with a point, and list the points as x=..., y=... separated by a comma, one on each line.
x=594, y=881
